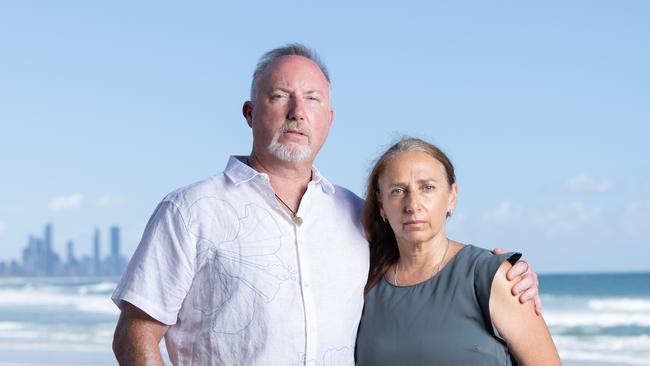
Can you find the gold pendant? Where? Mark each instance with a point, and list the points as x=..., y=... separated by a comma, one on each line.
x=297, y=220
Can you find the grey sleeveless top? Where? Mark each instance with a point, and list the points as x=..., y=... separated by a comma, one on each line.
x=444, y=320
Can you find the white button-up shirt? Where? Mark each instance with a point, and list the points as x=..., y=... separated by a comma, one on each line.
x=239, y=283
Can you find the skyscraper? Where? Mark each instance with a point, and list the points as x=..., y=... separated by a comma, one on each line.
x=97, y=260
x=71, y=257
x=115, y=259
x=46, y=250
x=115, y=242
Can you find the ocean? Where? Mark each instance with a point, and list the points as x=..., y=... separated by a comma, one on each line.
x=599, y=318
x=595, y=319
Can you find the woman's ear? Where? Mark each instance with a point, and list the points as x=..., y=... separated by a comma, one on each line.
x=381, y=207
x=453, y=196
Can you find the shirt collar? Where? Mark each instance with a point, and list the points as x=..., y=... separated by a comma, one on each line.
x=317, y=178
x=239, y=172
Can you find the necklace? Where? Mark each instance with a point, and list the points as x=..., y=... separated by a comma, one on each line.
x=294, y=215
x=436, y=270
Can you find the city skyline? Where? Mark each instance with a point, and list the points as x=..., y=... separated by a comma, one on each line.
x=40, y=259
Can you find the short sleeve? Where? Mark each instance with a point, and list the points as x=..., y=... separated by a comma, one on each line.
x=160, y=273
x=486, y=267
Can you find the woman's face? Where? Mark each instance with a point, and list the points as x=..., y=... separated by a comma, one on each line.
x=414, y=196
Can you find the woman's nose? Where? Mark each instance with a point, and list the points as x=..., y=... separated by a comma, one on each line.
x=412, y=203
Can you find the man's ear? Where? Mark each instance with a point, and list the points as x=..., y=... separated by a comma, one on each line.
x=247, y=111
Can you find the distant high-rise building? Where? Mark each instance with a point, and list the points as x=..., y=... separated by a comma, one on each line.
x=71, y=257
x=115, y=242
x=97, y=260
x=40, y=258
x=46, y=250
x=71, y=267
x=33, y=258
x=115, y=260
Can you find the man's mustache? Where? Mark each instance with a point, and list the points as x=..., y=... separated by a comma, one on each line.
x=295, y=127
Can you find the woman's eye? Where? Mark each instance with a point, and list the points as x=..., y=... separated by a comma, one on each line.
x=396, y=191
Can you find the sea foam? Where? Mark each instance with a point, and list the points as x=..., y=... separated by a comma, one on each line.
x=628, y=350
x=600, y=319
x=92, y=303
x=621, y=304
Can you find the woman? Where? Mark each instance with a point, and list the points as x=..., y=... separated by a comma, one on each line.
x=431, y=300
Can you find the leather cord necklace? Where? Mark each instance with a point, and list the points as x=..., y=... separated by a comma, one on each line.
x=294, y=214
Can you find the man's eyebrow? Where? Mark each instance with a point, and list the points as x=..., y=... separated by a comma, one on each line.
x=426, y=180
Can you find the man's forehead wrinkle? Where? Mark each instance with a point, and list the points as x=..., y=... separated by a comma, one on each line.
x=283, y=61
x=307, y=89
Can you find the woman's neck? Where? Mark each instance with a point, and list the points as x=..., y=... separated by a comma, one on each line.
x=413, y=255
x=420, y=261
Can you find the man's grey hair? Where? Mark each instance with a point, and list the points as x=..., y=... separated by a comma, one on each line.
x=293, y=49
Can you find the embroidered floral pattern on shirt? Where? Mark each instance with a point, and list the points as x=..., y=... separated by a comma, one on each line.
x=236, y=259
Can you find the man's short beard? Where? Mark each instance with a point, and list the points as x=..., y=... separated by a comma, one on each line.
x=288, y=153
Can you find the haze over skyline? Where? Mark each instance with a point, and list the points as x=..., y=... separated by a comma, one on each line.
x=543, y=108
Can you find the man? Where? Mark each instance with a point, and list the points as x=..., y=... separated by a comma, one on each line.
x=264, y=263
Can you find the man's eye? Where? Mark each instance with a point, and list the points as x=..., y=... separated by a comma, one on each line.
x=428, y=188
x=315, y=99
x=276, y=96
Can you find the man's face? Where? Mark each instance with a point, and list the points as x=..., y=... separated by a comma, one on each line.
x=291, y=113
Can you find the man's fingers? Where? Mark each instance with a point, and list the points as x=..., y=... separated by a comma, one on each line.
x=538, y=305
x=532, y=294
x=528, y=287
x=520, y=268
x=528, y=295
x=528, y=281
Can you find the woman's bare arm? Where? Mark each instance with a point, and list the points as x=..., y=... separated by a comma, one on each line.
x=524, y=331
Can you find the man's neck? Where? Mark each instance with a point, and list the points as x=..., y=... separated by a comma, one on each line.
x=288, y=180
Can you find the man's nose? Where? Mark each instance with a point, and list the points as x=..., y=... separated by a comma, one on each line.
x=296, y=110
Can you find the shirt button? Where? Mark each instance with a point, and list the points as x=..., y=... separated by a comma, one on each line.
x=307, y=284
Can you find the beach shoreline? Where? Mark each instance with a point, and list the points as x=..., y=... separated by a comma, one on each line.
x=96, y=358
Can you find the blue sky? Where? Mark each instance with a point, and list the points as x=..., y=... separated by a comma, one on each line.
x=107, y=106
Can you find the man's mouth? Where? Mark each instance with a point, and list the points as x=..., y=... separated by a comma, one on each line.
x=296, y=132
